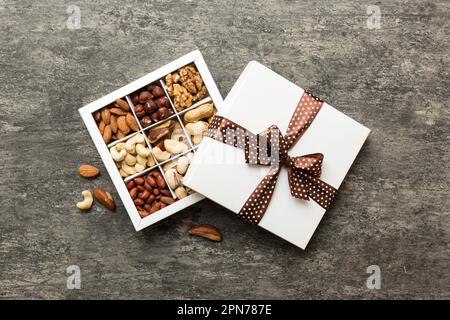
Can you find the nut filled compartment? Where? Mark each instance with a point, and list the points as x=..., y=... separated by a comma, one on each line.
x=115, y=121
x=196, y=121
x=185, y=86
x=151, y=104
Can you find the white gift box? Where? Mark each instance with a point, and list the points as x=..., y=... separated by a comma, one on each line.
x=259, y=99
x=157, y=76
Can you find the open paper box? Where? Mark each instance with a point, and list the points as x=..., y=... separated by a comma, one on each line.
x=174, y=114
x=259, y=99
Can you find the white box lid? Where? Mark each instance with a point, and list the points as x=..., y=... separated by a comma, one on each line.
x=258, y=99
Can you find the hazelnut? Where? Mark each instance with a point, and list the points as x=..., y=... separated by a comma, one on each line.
x=144, y=96
x=162, y=102
x=157, y=92
x=145, y=121
x=150, y=106
x=139, y=110
x=155, y=117
x=163, y=113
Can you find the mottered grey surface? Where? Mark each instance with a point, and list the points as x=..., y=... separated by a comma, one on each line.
x=392, y=209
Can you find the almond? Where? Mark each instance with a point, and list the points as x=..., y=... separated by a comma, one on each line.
x=107, y=134
x=113, y=123
x=131, y=121
x=88, y=171
x=106, y=115
x=120, y=134
x=122, y=125
x=105, y=198
x=207, y=231
x=97, y=116
x=101, y=126
x=122, y=104
x=117, y=111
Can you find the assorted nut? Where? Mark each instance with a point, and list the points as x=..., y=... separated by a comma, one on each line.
x=166, y=145
x=151, y=105
x=149, y=193
x=132, y=156
x=197, y=121
x=174, y=171
x=86, y=204
x=168, y=139
x=207, y=231
x=115, y=121
x=88, y=171
x=185, y=86
x=105, y=198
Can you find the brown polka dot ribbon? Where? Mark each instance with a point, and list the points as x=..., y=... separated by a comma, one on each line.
x=270, y=147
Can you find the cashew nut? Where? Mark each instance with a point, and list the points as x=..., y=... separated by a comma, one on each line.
x=123, y=174
x=130, y=144
x=116, y=155
x=182, y=165
x=139, y=167
x=160, y=155
x=141, y=160
x=142, y=151
x=87, y=201
x=126, y=168
x=174, y=146
x=120, y=146
x=130, y=160
x=150, y=161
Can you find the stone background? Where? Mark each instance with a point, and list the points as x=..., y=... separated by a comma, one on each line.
x=392, y=210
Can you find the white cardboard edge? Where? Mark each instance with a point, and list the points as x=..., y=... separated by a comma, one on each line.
x=86, y=114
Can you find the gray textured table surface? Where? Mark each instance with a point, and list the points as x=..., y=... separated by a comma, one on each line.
x=392, y=210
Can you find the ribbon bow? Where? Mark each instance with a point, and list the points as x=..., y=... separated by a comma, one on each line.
x=270, y=147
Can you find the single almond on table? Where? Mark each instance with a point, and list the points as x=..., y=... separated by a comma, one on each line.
x=88, y=171
x=105, y=198
x=207, y=231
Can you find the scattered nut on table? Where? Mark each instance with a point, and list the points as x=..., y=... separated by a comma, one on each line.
x=86, y=204
x=207, y=231
x=88, y=171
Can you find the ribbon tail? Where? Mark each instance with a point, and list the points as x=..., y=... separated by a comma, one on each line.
x=304, y=186
x=257, y=203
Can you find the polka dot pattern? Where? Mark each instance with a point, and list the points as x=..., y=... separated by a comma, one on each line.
x=270, y=147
